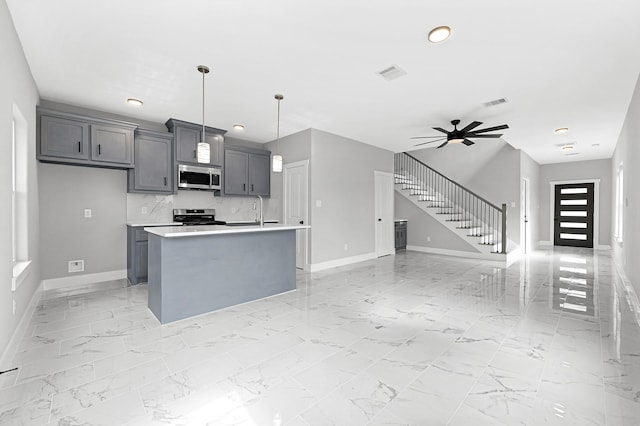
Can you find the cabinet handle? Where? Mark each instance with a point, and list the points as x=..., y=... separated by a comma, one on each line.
x=79, y=146
x=251, y=187
x=165, y=181
x=194, y=153
x=99, y=150
x=244, y=186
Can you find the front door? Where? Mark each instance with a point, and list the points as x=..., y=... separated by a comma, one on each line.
x=573, y=215
x=295, y=205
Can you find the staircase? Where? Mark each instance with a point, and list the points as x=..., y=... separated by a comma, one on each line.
x=481, y=224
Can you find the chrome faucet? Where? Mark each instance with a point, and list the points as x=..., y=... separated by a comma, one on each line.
x=261, y=215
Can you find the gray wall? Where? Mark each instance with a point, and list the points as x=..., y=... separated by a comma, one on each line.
x=576, y=171
x=342, y=178
x=627, y=152
x=65, y=191
x=425, y=231
x=489, y=168
x=16, y=86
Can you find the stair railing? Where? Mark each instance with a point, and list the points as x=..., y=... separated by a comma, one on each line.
x=483, y=219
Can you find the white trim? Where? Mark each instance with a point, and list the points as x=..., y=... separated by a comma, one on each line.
x=602, y=247
x=9, y=352
x=459, y=253
x=20, y=271
x=314, y=267
x=596, y=206
x=545, y=244
x=78, y=280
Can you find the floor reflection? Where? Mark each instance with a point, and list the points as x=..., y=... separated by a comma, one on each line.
x=575, y=283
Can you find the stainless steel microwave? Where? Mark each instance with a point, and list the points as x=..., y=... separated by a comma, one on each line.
x=198, y=177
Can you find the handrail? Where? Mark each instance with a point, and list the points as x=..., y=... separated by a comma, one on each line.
x=483, y=219
x=453, y=181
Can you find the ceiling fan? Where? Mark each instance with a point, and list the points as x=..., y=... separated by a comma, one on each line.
x=462, y=135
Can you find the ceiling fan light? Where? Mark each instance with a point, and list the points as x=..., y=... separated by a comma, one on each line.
x=456, y=140
x=439, y=34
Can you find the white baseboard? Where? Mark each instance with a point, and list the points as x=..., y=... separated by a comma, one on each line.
x=78, y=280
x=630, y=292
x=314, y=267
x=603, y=247
x=9, y=352
x=545, y=244
x=597, y=246
x=459, y=253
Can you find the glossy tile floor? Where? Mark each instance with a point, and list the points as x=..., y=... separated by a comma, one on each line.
x=412, y=339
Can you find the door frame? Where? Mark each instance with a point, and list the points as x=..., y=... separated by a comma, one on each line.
x=525, y=216
x=596, y=207
x=285, y=168
x=380, y=250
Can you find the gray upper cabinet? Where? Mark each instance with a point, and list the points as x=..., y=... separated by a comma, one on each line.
x=247, y=171
x=84, y=141
x=186, y=139
x=111, y=144
x=153, y=172
x=64, y=138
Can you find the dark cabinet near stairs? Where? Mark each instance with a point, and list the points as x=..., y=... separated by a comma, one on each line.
x=154, y=171
x=84, y=141
x=247, y=171
x=401, y=234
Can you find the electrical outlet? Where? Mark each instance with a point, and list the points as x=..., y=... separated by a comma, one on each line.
x=428, y=239
x=346, y=247
x=76, y=265
x=143, y=210
x=234, y=210
x=87, y=213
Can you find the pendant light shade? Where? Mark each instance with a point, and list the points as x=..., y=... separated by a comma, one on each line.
x=276, y=159
x=203, y=149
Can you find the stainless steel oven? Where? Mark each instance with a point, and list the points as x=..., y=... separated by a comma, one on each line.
x=198, y=177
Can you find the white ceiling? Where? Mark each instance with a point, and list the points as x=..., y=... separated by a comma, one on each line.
x=568, y=63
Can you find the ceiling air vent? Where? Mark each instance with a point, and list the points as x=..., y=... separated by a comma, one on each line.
x=496, y=102
x=392, y=72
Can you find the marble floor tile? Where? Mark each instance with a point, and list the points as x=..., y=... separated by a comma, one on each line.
x=410, y=339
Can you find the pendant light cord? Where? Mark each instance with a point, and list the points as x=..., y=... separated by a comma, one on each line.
x=203, y=128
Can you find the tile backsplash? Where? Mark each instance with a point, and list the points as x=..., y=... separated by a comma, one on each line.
x=159, y=208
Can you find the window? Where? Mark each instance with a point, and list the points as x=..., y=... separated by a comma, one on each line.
x=19, y=212
x=619, y=212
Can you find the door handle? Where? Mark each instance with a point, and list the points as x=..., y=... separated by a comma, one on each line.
x=379, y=220
x=99, y=150
x=302, y=222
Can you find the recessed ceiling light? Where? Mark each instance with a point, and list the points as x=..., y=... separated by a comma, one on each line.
x=595, y=144
x=134, y=102
x=238, y=127
x=439, y=34
x=567, y=147
x=561, y=130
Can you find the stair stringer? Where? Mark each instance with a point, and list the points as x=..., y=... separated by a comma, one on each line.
x=483, y=251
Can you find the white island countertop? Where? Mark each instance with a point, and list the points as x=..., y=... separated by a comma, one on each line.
x=194, y=231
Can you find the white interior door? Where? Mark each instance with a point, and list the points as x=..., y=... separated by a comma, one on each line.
x=296, y=188
x=526, y=213
x=384, y=214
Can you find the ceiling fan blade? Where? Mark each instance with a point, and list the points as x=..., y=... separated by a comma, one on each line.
x=484, y=136
x=440, y=146
x=424, y=143
x=440, y=129
x=471, y=126
x=426, y=137
x=467, y=142
x=490, y=129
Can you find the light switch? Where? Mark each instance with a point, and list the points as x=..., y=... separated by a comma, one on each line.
x=87, y=213
x=513, y=204
x=318, y=203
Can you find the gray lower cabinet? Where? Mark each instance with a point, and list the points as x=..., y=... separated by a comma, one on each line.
x=247, y=171
x=137, y=254
x=84, y=141
x=154, y=171
x=401, y=235
x=188, y=135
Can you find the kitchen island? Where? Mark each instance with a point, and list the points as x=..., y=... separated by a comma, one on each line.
x=199, y=269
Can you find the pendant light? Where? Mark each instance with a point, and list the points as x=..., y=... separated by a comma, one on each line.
x=203, y=151
x=277, y=158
